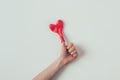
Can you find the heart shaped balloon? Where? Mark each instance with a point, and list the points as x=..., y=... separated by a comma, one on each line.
x=58, y=28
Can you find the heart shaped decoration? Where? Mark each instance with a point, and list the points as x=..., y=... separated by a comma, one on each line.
x=57, y=28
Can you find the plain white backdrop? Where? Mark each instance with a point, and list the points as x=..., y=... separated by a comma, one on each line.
x=27, y=46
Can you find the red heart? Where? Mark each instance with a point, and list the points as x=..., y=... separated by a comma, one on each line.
x=57, y=28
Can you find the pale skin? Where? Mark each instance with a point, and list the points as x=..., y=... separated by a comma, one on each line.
x=67, y=55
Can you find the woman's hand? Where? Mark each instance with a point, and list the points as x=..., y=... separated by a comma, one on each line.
x=68, y=53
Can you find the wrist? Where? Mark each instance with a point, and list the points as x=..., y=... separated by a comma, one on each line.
x=61, y=61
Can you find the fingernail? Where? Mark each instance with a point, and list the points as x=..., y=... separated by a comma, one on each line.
x=74, y=55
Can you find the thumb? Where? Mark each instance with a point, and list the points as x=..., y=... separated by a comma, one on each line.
x=63, y=46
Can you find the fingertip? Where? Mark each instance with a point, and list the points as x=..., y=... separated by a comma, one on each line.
x=73, y=52
x=75, y=55
x=70, y=45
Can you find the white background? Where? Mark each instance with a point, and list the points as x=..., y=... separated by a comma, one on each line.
x=27, y=46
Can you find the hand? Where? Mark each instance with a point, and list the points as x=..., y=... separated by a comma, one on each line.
x=68, y=53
